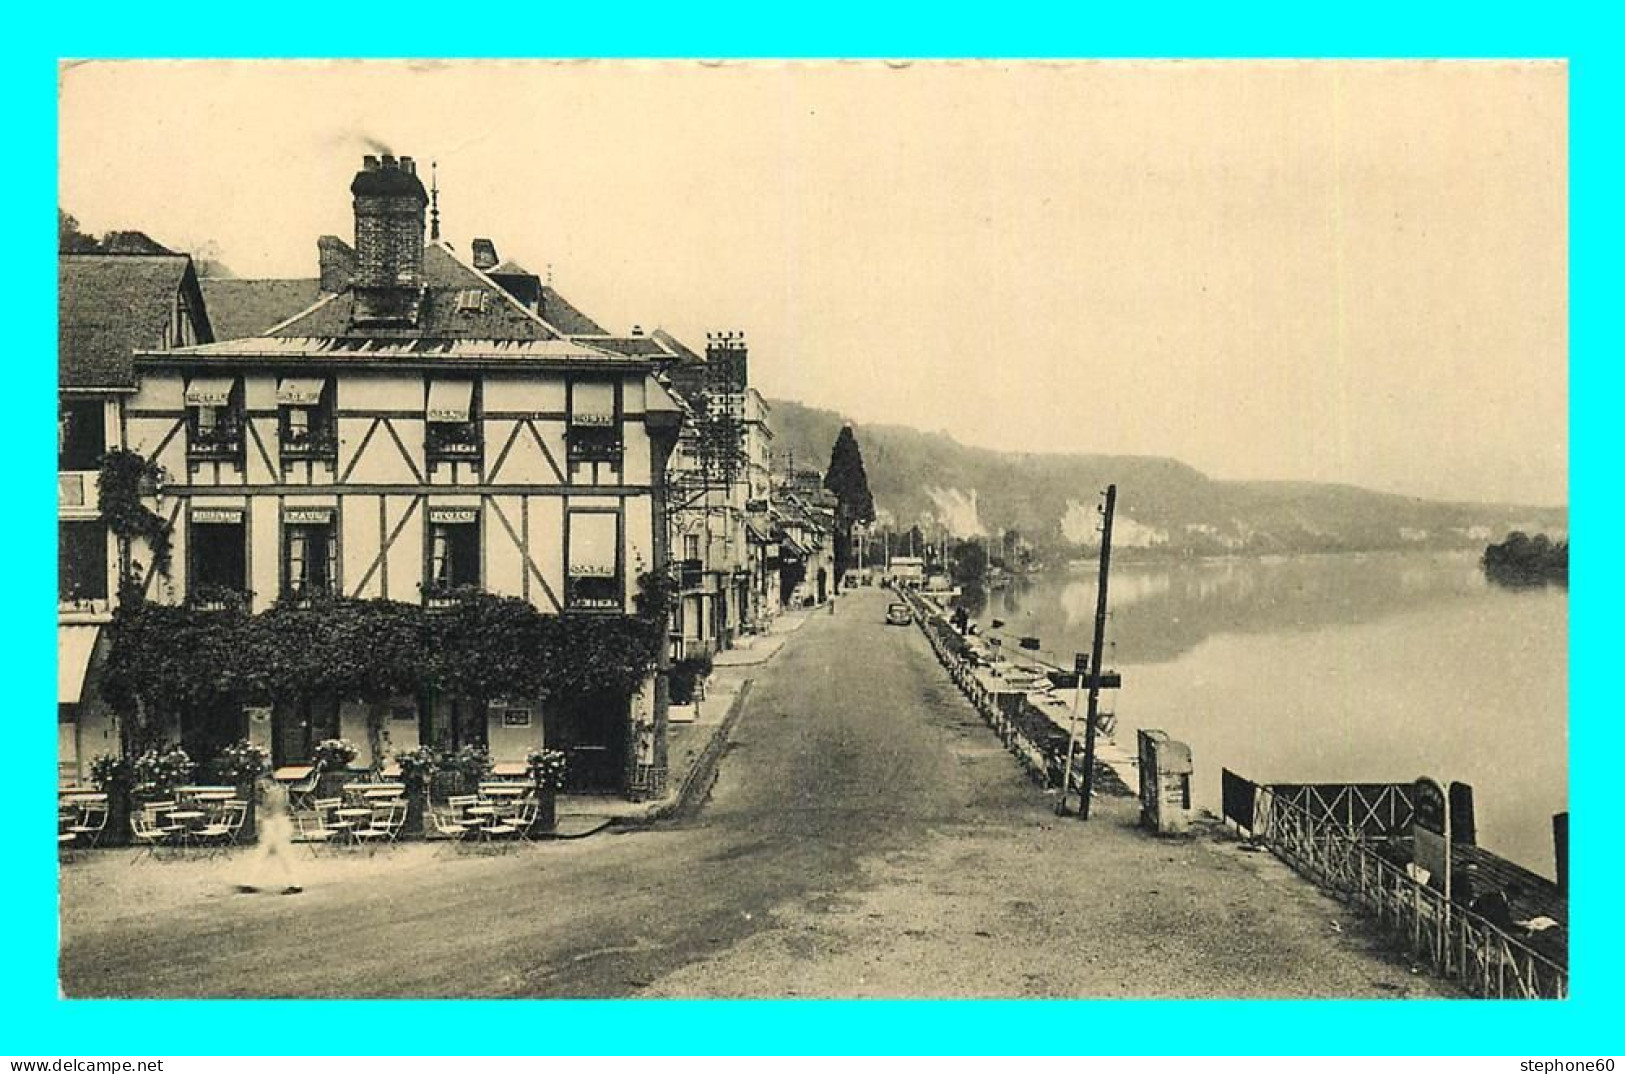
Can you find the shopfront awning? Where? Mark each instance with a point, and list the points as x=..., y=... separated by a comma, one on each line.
x=209, y=391
x=593, y=546
x=299, y=391
x=450, y=400
x=592, y=402
x=74, y=645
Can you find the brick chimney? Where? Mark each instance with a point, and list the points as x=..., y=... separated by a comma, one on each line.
x=485, y=254
x=337, y=263
x=389, y=216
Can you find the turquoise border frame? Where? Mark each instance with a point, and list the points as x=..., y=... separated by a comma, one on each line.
x=39, y=1022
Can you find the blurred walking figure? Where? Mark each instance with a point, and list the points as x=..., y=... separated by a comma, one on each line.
x=270, y=867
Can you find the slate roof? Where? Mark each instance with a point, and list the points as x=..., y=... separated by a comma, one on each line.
x=111, y=305
x=323, y=351
x=683, y=352
x=629, y=346
x=446, y=276
x=239, y=308
x=558, y=312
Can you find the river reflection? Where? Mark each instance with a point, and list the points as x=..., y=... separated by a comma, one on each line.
x=1160, y=612
x=1373, y=667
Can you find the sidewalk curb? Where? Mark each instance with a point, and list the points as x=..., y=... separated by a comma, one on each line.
x=703, y=773
x=599, y=824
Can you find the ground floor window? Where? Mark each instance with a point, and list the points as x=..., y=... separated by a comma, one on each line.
x=81, y=562
x=296, y=727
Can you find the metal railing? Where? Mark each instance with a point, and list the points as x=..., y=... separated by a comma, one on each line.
x=1457, y=944
x=1372, y=809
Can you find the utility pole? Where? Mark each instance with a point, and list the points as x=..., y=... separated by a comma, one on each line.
x=1095, y=655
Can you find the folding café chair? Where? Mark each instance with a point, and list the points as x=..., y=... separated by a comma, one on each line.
x=301, y=792
x=90, y=825
x=148, y=835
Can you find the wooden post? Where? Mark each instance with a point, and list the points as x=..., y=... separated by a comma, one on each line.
x=1071, y=733
x=1095, y=655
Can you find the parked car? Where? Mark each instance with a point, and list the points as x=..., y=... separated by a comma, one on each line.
x=898, y=615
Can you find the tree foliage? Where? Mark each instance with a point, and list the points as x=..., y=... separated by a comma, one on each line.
x=1525, y=560
x=854, y=503
x=72, y=239
x=69, y=238
x=969, y=561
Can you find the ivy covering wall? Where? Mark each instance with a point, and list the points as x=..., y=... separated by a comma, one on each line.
x=166, y=659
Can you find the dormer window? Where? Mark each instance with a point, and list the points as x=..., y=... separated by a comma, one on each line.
x=306, y=418
x=452, y=430
x=595, y=426
x=214, y=411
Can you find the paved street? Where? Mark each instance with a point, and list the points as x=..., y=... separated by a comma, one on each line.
x=866, y=837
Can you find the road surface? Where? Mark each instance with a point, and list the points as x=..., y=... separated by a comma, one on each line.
x=866, y=837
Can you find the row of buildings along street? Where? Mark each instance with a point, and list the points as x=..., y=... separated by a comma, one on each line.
x=419, y=435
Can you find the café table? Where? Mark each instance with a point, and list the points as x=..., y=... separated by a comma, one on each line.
x=350, y=820
x=187, y=818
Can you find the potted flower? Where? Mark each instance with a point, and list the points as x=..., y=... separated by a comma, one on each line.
x=472, y=764
x=417, y=769
x=333, y=757
x=241, y=764
x=334, y=754
x=546, y=769
x=159, y=771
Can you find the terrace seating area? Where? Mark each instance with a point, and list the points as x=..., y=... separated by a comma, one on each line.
x=501, y=816
x=369, y=816
x=198, y=821
x=81, y=820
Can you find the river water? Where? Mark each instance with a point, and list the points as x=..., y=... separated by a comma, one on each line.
x=1379, y=667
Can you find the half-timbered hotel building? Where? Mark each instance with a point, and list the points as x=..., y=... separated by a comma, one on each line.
x=419, y=429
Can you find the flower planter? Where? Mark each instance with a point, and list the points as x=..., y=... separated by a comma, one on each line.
x=417, y=799
x=249, y=833
x=547, y=810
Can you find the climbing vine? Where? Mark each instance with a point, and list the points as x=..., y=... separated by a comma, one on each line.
x=166, y=659
x=125, y=476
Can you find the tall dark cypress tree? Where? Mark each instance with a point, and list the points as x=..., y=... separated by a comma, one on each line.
x=854, y=504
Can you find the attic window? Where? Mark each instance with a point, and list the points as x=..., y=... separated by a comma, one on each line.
x=471, y=300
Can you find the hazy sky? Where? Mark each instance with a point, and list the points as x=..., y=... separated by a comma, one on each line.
x=1340, y=272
